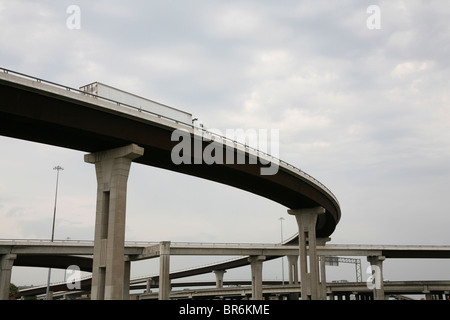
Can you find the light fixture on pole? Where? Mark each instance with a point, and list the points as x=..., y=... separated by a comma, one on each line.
x=282, y=260
x=57, y=168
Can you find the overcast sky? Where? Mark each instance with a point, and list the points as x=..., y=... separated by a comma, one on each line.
x=362, y=104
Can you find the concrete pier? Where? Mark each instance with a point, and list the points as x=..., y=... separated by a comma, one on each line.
x=309, y=271
x=126, y=280
x=376, y=264
x=112, y=168
x=321, y=262
x=323, y=279
x=6, y=264
x=293, y=269
x=293, y=274
x=256, y=263
x=164, y=271
x=219, y=278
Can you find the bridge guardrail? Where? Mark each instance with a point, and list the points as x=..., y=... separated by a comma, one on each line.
x=138, y=242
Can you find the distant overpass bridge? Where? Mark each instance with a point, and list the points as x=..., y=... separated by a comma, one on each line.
x=65, y=253
x=432, y=290
x=241, y=289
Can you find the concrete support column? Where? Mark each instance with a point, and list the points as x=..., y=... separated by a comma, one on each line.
x=293, y=269
x=148, y=285
x=256, y=266
x=323, y=280
x=376, y=264
x=322, y=264
x=112, y=168
x=293, y=274
x=219, y=278
x=126, y=280
x=309, y=272
x=164, y=271
x=6, y=264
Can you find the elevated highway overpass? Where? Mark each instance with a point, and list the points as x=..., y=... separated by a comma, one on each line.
x=115, y=135
x=432, y=290
x=36, y=110
x=271, y=289
x=42, y=250
x=64, y=253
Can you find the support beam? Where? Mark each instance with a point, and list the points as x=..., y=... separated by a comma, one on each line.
x=219, y=278
x=376, y=265
x=256, y=266
x=322, y=264
x=323, y=279
x=148, y=285
x=293, y=275
x=164, y=271
x=126, y=280
x=6, y=264
x=112, y=168
x=293, y=269
x=309, y=271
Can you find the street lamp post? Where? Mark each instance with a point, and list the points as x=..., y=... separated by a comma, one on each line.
x=57, y=168
x=282, y=260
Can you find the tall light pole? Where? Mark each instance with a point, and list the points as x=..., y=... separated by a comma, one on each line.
x=282, y=260
x=57, y=168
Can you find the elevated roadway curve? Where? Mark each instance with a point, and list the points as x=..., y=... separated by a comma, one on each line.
x=36, y=110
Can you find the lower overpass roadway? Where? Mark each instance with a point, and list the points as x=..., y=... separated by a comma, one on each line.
x=64, y=253
x=43, y=249
x=340, y=291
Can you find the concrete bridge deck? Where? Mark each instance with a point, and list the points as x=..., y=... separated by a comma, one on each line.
x=61, y=254
x=146, y=250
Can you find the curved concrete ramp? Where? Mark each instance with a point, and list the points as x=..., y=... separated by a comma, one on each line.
x=44, y=112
